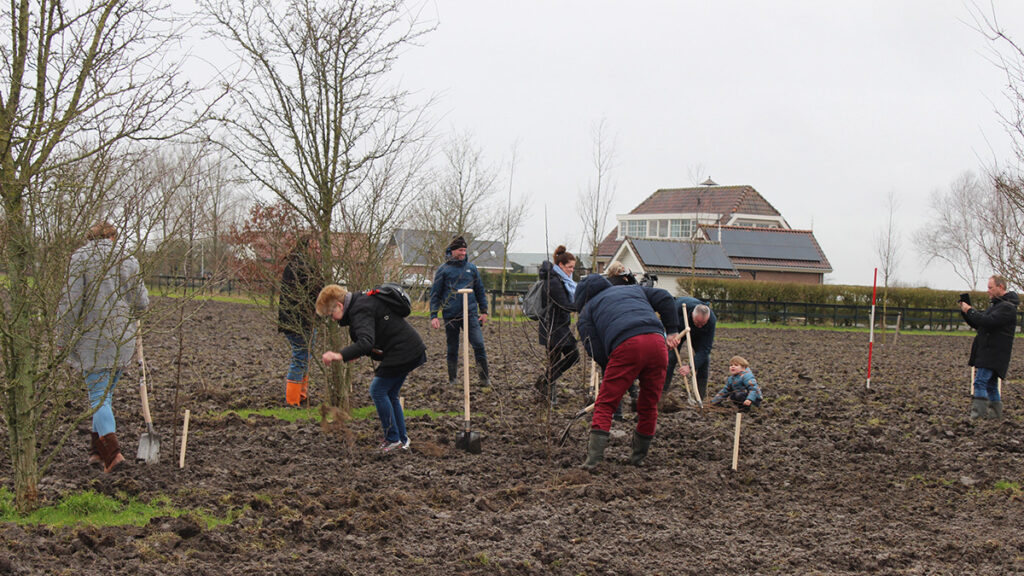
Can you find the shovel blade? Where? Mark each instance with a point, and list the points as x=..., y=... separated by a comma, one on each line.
x=468, y=441
x=149, y=449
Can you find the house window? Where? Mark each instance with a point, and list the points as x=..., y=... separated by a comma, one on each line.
x=634, y=228
x=657, y=228
x=681, y=228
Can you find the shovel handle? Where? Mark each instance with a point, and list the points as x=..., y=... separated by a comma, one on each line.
x=465, y=349
x=143, y=391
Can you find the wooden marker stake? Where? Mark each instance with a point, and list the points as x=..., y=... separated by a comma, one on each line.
x=184, y=441
x=736, y=442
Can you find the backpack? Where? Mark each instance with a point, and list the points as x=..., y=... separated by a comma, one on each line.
x=534, y=303
x=394, y=296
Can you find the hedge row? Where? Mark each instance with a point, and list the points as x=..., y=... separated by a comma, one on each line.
x=714, y=289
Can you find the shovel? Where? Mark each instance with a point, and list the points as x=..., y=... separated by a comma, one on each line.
x=466, y=439
x=691, y=386
x=594, y=383
x=149, y=442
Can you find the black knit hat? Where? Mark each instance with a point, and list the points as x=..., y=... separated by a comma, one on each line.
x=457, y=242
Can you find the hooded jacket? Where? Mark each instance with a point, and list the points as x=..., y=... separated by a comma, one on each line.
x=97, y=311
x=376, y=331
x=996, y=324
x=450, y=277
x=300, y=285
x=554, y=331
x=608, y=316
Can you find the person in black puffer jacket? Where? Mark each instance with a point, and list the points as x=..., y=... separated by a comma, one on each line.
x=553, y=332
x=992, y=347
x=383, y=335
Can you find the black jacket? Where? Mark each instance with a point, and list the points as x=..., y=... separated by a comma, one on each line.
x=379, y=333
x=554, y=331
x=300, y=285
x=995, y=325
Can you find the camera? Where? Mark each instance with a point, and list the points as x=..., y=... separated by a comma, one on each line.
x=648, y=280
x=965, y=297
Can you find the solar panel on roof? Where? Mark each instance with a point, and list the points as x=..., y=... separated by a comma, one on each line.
x=680, y=254
x=756, y=243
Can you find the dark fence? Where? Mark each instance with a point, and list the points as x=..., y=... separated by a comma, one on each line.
x=842, y=315
x=228, y=286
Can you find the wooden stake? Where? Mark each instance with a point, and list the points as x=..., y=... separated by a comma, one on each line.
x=184, y=441
x=736, y=442
x=693, y=367
x=974, y=374
x=594, y=380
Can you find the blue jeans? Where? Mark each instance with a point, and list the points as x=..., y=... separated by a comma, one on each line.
x=101, y=391
x=384, y=392
x=986, y=385
x=301, y=345
x=452, y=328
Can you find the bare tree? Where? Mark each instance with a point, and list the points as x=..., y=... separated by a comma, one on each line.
x=513, y=216
x=82, y=80
x=458, y=198
x=888, y=243
x=953, y=232
x=595, y=201
x=313, y=119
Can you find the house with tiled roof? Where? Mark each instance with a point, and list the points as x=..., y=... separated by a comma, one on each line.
x=421, y=252
x=712, y=232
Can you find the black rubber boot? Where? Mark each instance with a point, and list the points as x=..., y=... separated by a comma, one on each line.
x=641, y=445
x=595, y=450
x=541, y=385
x=979, y=408
x=995, y=411
x=482, y=372
x=453, y=372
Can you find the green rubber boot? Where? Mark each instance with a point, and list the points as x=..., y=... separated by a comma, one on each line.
x=595, y=450
x=453, y=373
x=641, y=445
x=995, y=411
x=979, y=408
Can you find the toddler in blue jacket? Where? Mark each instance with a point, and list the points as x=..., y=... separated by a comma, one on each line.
x=741, y=387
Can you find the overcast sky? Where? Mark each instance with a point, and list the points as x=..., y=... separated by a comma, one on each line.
x=823, y=106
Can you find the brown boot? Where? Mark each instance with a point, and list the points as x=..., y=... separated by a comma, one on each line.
x=94, y=452
x=110, y=452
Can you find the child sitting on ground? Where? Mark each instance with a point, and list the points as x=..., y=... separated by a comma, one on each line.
x=741, y=387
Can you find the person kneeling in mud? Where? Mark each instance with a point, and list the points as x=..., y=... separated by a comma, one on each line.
x=383, y=335
x=740, y=386
x=622, y=333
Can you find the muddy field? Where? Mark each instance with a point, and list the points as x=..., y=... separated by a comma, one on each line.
x=832, y=479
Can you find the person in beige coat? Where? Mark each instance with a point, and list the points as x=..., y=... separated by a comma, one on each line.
x=97, y=315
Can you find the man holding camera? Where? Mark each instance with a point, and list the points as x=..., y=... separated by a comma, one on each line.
x=991, y=349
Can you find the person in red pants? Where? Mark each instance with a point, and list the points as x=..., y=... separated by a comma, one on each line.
x=621, y=331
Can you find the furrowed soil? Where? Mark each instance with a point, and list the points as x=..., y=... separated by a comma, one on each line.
x=832, y=478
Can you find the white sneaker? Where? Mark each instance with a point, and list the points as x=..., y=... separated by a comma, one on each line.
x=405, y=445
x=386, y=446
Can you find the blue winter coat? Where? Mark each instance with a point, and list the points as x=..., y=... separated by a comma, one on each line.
x=451, y=277
x=743, y=382
x=608, y=316
x=702, y=339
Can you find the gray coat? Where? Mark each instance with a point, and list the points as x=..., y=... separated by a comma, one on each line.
x=103, y=296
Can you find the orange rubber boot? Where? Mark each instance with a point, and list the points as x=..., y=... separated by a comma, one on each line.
x=293, y=393
x=304, y=393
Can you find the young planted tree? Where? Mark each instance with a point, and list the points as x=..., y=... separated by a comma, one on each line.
x=312, y=119
x=888, y=242
x=595, y=201
x=81, y=81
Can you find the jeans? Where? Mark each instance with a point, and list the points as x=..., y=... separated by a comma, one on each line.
x=101, y=391
x=384, y=392
x=301, y=345
x=986, y=385
x=452, y=328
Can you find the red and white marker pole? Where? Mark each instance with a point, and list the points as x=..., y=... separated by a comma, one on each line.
x=871, y=331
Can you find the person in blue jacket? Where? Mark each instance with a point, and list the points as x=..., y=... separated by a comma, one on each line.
x=457, y=273
x=622, y=333
x=702, y=338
